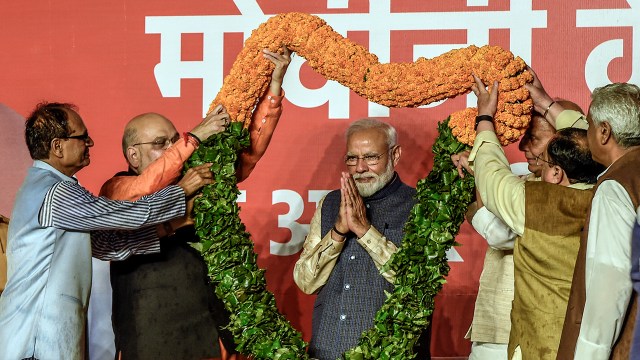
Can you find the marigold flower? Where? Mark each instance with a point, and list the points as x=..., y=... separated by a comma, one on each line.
x=394, y=85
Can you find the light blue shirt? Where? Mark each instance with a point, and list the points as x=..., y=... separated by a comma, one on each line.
x=44, y=305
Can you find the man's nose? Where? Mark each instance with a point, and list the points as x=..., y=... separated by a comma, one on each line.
x=362, y=166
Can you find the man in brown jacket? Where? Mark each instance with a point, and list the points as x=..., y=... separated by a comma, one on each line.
x=600, y=317
x=546, y=215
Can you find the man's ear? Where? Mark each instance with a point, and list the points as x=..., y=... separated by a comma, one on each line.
x=604, y=132
x=133, y=157
x=557, y=175
x=395, y=155
x=56, y=148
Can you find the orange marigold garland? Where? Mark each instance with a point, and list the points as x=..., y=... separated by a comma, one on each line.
x=257, y=326
x=394, y=84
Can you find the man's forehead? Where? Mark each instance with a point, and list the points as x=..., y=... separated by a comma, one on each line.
x=154, y=125
x=373, y=136
x=540, y=124
x=74, y=121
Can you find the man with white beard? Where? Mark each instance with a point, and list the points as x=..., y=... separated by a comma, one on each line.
x=353, y=233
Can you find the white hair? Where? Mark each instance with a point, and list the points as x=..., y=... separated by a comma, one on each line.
x=619, y=105
x=370, y=123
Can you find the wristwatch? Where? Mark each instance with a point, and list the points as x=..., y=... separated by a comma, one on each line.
x=482, y=118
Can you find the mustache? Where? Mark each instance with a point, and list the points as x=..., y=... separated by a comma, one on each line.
x=365, y=175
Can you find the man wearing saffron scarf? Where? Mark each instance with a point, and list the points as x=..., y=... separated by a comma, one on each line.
x=163, y=305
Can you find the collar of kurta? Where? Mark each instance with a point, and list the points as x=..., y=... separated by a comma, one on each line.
x=45, y=166
x=127, y=172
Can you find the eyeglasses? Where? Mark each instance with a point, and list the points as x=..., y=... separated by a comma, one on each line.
x=161, y=143
x=352, y=160
x=539, y=157
x=82, y=137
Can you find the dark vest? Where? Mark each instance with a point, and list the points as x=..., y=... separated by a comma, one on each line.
x=164, y=306
x=347, y=303
x=625, y=172
x=544, y=258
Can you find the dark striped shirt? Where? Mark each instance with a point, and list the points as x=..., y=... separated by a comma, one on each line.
x=71, y=207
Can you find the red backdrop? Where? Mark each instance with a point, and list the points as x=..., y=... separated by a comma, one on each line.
x=119, y=59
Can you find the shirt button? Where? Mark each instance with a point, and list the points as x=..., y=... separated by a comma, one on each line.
x=264, y=121
x=343, y=317
x=368, y=241
x=367, y=206
x=352, y=257
x=347, y=287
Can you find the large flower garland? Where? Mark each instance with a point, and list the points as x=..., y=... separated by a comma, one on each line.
x=420, y=264
x=394, y=84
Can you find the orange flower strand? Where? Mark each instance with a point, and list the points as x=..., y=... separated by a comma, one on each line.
x=394, y=85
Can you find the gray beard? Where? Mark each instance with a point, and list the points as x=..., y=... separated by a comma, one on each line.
x=370, y=188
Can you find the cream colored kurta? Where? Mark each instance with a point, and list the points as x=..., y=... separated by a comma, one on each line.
x=320, y=253
x=502, y=192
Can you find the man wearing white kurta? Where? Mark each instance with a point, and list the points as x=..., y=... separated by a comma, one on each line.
x=599, y=321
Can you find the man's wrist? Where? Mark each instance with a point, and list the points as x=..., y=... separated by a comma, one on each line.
x=546, y=110
x=337, y=236
x=362, y=232
x=338, y=232
x=481, y=118
x=194, y=135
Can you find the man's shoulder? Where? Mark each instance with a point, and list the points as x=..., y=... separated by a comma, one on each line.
x=39, y=178
x=108, y=185
x=547, y=192
x=610, y=190
x=407, y=189
x=118, y=175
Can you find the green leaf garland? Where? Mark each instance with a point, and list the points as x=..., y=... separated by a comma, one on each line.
x=420, y=264
x=257, y=326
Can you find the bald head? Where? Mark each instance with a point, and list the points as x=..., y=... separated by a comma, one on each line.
x=139, y=136
x=138, y=124
x=569, y=105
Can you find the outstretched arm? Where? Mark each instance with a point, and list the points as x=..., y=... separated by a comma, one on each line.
x=501, y=191
x=265, y=117
x=166, y=169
